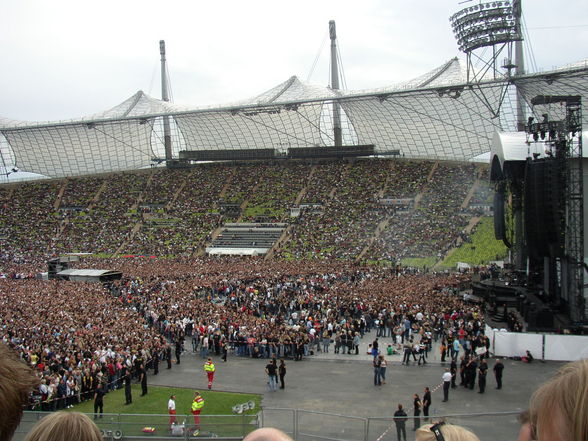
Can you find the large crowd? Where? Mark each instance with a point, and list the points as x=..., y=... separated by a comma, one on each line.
x=174, y=213
x=310, y=296
x=77, y=335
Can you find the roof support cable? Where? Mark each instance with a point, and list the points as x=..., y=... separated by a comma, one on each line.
x=318, y=55
x=341, y=71
x=528, y=46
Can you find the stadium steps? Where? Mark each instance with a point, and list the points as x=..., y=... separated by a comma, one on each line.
x=305, y=189
x=343, y=176
x=227, y=185
x=432, y=172
x=420, y=195
x=201, y=249
x=382, y=191
x=246, y=202
x=281, y=241
x=247, y=236
x=470, y=195
x=141, y=196
x=178, y=191
x=59, y=198
x=132, y=234
x=381, y=227
x=62, y=226
x=97, y=196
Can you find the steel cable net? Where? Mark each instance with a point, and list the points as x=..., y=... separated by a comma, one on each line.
x=436, y=116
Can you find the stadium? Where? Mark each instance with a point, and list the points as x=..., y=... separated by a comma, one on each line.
x=438, y=219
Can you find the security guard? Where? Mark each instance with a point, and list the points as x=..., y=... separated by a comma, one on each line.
x=197, y=405
x=209, y=369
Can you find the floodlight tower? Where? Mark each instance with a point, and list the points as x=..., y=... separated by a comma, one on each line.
x=335, y=85
x=165, y=97
x=495, y=25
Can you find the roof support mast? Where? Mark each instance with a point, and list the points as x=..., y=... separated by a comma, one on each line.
x=335, y=85
x=165, y=97
x=520, y=68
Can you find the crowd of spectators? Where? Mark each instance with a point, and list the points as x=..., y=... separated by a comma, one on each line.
x=174, y=213
x=276, y=192
x=351, y=212
x=78, y=334
x=437, y=221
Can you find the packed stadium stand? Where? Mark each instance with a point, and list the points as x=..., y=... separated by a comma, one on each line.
x=331, y=209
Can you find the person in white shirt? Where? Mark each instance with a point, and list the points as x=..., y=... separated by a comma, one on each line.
x=446, y=384
x=171, y=408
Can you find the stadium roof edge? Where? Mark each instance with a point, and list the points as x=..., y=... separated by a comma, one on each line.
x=581, y=67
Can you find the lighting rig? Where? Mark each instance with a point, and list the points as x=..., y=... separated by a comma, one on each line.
x=495, y=25
x=563, y=143
x=487, y=24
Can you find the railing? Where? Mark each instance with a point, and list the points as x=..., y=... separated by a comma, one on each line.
x=301, y=425
x=304, y=425
x=116, y=427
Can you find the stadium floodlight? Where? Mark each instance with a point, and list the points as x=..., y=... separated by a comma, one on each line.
x=486, y=24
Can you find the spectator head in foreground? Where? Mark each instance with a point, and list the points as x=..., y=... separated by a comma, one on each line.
x=444, y=432
x=267, y=434
x=65, y=426
x=17, y=381
x=558, y=410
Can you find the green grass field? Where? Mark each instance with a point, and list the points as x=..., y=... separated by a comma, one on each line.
x=419, y=262
x=483, y=248
x=217, y=415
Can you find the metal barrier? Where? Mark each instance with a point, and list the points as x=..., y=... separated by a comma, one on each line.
x=303, y=425
x=117, y=427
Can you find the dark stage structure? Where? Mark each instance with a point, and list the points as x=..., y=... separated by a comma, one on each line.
x=539, y=212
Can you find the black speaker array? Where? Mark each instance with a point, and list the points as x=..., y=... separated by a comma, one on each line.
x=544, y=207
x=499, y=215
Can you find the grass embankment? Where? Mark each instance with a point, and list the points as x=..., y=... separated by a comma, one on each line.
x=482, y=249
x=419, y=262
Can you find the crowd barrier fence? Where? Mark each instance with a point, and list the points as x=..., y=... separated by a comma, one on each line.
x=301, y=425
x=118, y=427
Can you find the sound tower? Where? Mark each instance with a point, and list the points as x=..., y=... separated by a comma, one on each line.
x=543, y=207
x=499, y=220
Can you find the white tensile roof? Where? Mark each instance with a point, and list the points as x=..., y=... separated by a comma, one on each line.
x=435, y=116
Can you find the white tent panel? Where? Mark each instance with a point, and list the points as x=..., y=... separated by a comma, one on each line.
x=435, y=116
x=70, y=150
x=440, y=124
x=269, y=127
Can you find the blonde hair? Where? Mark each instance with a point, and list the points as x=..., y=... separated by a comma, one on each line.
x=17, y=381
x=65, y=426
x=450, y=432
x=561, y=404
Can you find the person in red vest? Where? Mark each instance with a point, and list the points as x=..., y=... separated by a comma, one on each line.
x=209, y=369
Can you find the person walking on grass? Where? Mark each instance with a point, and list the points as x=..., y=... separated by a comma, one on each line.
x=197, y=405
x=171, y=409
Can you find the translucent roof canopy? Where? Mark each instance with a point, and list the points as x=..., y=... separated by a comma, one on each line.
x=436, y=116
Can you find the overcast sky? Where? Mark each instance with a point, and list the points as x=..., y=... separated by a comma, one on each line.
x=65, y=59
